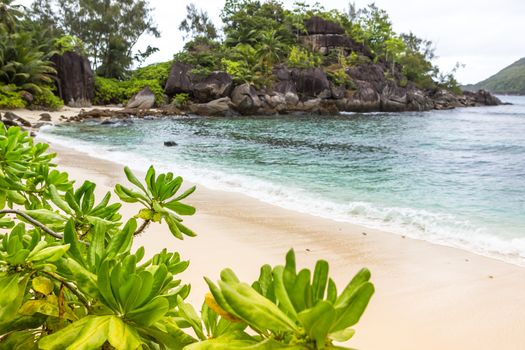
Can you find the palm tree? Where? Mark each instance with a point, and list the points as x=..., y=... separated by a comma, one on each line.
x=9, y=15
x=23, y=64
x=270, y=50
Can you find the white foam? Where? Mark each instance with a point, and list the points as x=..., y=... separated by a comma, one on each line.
x=440, y=229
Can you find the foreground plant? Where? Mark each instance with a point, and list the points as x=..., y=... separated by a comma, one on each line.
x=69, y=278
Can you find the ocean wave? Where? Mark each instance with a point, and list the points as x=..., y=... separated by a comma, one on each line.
x=438, y=228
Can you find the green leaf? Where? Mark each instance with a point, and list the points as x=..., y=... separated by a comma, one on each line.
x=342, y=336
x=85, y=334
x=121, y=336
x=42, y=285
x=317, y=321
x=131, y=178
x=351, y=313
x=150, y=313
x=179, y=208
x=49, y=254
x=319, y=281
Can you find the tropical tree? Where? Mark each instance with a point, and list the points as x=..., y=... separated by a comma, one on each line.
x=10, y=14
x=270, y=49
x=109, y=29
x=198, y=23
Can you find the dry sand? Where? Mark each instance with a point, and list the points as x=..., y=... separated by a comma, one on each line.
x=427, y=296
x=67, y=112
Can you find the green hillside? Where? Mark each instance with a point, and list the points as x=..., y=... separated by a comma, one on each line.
x=510, y=80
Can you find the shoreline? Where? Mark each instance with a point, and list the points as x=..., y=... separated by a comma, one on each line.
x=427, y=296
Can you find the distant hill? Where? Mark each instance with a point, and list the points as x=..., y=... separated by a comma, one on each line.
x=510, y=80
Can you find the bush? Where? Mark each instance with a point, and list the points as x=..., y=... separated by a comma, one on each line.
x=340, y=78
x=10, y=98
x=113, y=91
x=302, y=58
x=180, y=100
x=46, y=99
x=158, y=72
x=68, y=278
x=69, y=43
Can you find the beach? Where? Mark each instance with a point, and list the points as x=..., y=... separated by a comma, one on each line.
x=427, y=296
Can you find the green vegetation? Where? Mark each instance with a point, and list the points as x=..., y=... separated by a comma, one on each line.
x=510, y=80
x=108, y=29
x=261, y=35
x=114, y=91
x=180, y=100
x=69, y=279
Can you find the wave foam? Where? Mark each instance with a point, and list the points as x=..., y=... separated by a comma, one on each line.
x=420, y=224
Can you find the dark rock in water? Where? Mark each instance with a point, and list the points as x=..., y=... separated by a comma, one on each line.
x=75, y=79
x=220, y=107
x=212, y=87
x=309, y=82
x=444, y=99
x=18, y=120
x=393, y=98
x=108, y=122
x=245, y=99
x=483, y=97
x=170, y=143
x=179, y=79
x=45, y=117
x=319, y=25
x=144, y=99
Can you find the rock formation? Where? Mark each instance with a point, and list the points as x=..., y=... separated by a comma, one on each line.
x=75, y=79
x=144, y=99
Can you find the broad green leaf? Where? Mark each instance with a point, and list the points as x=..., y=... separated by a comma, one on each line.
x=121, y=336
x=42, y=285
x=317, y=321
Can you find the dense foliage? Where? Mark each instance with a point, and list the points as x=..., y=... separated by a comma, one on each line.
x=113, y=91
x=69, y=278
x=261, y=35
x=510, y=80
x=26, y=74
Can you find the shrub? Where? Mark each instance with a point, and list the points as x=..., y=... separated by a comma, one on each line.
x=10, y=98
x=340, y=78
x=302, y=58
x=180, y=100
x=158, y=72
x=113, y=91
x=69, y=43
x=68, y=278
x=46, y=99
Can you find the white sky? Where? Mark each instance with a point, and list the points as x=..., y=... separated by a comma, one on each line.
x=484, y=35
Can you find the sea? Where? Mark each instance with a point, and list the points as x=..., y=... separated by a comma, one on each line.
x=454, y=177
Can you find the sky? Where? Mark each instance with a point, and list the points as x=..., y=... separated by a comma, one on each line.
x=485, y=36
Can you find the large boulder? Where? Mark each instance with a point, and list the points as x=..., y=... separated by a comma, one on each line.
x=75, y=79
x=417, y=100
x=371, y=73
x=310, y=82
x=393, y=98
x=212, y=87
x=319, y=25
x=483, y=98
x=179, y=79
x=245, y=99
x=144, y=99
x=220, y=107
x=364, y=99
x=327, y=43
x=444, y=99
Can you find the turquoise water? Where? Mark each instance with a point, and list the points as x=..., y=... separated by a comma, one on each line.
x=450, y=177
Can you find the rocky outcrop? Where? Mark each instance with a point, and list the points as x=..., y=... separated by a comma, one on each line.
x=144, y=99
x=245, y=99
x=212, y=87
x=202, y=88
x=75, y=79
x=11, y=119
x=325, y=37
x=482, y=98
x=319, y=25
x=221, y=107
x=179, y=79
